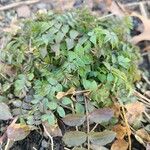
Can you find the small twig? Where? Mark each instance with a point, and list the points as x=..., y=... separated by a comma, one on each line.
x=146, y=79
x=136, y=3
x=87, y=120
x=136, y=93
x=16, y=4
x=147, y=115
x=51, y=138
x=127, y=125
x=7, y=144
x=106, y=16
x=94, y=127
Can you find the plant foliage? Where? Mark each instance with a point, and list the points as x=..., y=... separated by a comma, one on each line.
x=56, y=52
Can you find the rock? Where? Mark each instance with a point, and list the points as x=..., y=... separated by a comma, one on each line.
x=23, y=11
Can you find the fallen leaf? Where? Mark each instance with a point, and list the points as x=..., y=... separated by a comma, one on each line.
x=4, y=112
x=17, y=132
x=120, y=130
x=101, y=115
x=53, y=130
x=97, y=147
x=23, y=11
x=116, y=109
x=102, y=138
x=74, y=138
x=134, y=112
x=143, y=134
x=74, y=119
x=145, y=35
x=120, y=144
x=60, y=95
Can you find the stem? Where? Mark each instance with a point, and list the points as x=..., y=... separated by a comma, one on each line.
x=51, y=138
x=87, y=119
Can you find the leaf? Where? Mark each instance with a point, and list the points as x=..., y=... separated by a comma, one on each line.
x=79, y=108
x=73, y=34
x=70, y=43
x=145, y=35
x=56, y=48
x=53, y=130
x=52, y=105
x=74, y=138
x=48, y=117
x=93, y=39
x=134, y=111
x=65, y=29
x=17, y=132
x=5, y=112
x=119, y=145
x=74, y=119
x=120, y=130
x=142, y=133
x=61, y=111
x=59, y=37
x=101, y=115
x=89, y=85
x=66, y=101
x=102, y=138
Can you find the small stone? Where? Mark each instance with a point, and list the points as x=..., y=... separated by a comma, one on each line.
x=23, y=11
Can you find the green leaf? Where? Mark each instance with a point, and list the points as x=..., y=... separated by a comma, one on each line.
x=102, y=138
x=70, y=43
x=66, y=101
x=52, y=105
x=61, y=111
x=65, y=29
x=89, y=85
x=110, y=77
x=74, y=119
x=4, y=112
x=49, y=117
x=74, y=138
x=79, y=108
x=93, y=39
x=59, y=37
x=6, y=86
x=73, y=34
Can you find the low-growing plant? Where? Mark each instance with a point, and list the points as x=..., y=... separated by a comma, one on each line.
x=55, y=61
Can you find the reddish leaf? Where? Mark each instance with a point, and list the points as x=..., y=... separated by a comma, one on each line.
x=74, y=119
x=101, y=115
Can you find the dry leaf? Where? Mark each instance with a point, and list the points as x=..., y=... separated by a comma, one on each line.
x=134, y=111
x=116, y=109
x=60, y=95
x=119, y=145
x=53, y=130
x=142, y=133
x=120, y=131
x=17, y=132
x=145, y=35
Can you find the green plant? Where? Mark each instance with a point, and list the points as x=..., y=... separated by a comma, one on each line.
x=55, y=59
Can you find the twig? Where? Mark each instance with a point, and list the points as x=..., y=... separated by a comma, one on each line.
x=87, y=120
x=7, y=144
x=94, y=127
x=127, y=125
x=147, y=115
x=16, y=4
x=146, y=79
x=136, y=3
x=136, y=93
x=51, y=138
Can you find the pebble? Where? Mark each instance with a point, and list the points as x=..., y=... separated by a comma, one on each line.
x=23, y=11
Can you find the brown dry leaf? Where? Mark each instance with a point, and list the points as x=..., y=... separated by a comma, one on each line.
x=17, y=132
x=120, y=130
x=23, y=11
x=142, y=133
x=117, y=9
x=7, y=69
x=60, y=95
x=134, y=111
x=53, y=130
x=116, y=109
x=119, y=145
x=145, y=35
